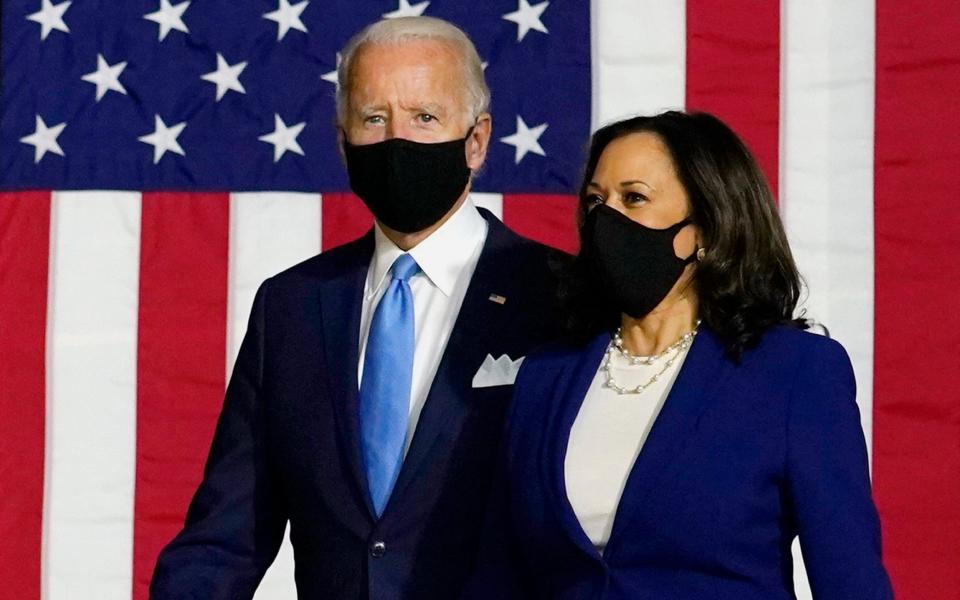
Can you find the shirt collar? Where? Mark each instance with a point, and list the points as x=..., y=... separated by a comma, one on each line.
x=441, y=256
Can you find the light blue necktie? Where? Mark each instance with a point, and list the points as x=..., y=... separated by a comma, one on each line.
x=385, y=386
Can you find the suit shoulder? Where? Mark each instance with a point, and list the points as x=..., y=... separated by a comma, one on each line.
x=522, y=246
x=549, y=255
x=791, y=339
x=790, y=354
x=561, y=354
x=327, y=264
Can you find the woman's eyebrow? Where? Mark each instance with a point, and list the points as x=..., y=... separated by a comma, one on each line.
x=637, y=181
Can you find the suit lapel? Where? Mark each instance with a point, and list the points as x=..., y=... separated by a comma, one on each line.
x=584, y=367
x=673, y=430
x=478, y=323
x=341, y=298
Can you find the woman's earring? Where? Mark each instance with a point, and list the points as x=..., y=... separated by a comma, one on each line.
x=701, y=252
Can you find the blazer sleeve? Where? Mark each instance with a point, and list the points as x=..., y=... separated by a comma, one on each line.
x=828, y=480
x=236, y=521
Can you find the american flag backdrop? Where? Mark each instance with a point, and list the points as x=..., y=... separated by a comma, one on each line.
x=160, y=158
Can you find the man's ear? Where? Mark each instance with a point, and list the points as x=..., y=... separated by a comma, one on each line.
x=479, y=141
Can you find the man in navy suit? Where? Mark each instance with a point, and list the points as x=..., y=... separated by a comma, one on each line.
x=369, y=393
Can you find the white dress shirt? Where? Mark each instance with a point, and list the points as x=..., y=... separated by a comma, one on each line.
x=606, y=439
x=447, y=259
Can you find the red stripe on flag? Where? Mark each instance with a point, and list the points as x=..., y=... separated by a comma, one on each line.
x=343, y=218
x=24, y=260
x=549, y=219
x=181, y=358
x=733, y=71
x=916, y=402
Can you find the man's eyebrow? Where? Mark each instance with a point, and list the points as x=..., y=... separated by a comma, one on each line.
x=429, y=107
x=366, y=109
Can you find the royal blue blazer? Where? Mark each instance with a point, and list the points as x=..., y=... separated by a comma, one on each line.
x=743, y=458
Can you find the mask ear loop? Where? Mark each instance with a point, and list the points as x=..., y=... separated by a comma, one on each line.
x=697, y=254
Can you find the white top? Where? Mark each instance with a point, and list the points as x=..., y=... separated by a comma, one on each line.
x=447, y=259
x=606, y=439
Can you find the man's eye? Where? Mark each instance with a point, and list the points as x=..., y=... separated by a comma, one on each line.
x=426, y=118
x=375, y=120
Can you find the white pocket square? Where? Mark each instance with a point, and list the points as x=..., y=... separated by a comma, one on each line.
x=501, y=371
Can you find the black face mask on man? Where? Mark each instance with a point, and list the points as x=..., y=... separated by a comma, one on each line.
x=635, y=265
x=407, y=185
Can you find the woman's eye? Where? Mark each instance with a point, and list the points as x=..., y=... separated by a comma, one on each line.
x=594, y=200
x=634, y=198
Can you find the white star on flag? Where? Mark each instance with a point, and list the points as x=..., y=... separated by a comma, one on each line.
x=50, y=17
x=332, y=75
x=164, y=139
x=283, y=138
x=287, y=17
x=106, y=77
x=169, y=17
x=44, y=139
x=525, y=140
x=227, y=77
x=406, y=10
x=527, y=17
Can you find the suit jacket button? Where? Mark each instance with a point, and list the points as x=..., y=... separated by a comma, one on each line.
x=378, y=549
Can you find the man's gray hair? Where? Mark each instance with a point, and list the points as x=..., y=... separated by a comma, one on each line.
x=397, y=31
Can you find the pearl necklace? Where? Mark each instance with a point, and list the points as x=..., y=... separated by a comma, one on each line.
x=684, y=340
x=677, y=348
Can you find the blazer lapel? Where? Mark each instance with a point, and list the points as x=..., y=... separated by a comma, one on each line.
x=474, y=332
x=672, y=430
x=584, y=368
x=341, y=298
x=701, y=374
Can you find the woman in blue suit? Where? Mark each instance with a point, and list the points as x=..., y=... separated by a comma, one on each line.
x=692, y=429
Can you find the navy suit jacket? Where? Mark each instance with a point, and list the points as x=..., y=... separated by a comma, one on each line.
x=741, y=459
x=287, y=442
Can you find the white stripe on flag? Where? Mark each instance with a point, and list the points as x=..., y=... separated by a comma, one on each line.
x=491, y=202
x=639, y=54
x=91, y=409
x=826, y=169
x=269, y=232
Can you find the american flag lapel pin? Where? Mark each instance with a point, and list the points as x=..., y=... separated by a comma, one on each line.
x=497, y=298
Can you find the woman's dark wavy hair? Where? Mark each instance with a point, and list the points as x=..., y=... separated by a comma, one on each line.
x=747, y=281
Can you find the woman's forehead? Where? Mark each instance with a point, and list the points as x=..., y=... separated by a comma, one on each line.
x=641, y=155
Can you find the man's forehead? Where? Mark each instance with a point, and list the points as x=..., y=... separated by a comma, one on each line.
x=414, y=46
x=414, y=57
x=421, y=71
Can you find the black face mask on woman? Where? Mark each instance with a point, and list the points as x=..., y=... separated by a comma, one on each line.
x=407, y=185
x=635, y=265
